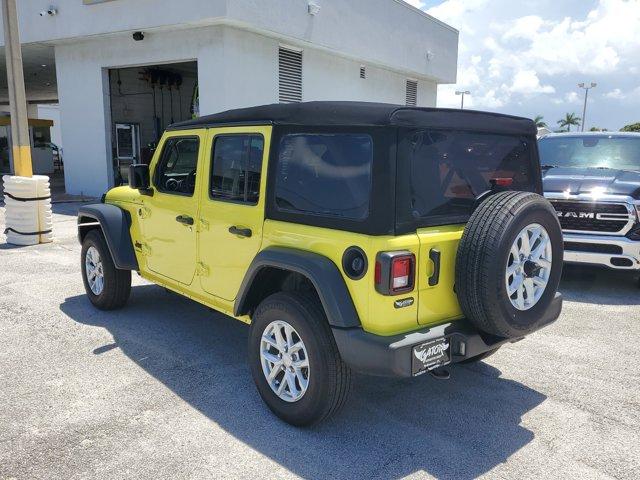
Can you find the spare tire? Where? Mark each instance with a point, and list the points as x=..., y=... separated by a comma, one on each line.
x=509, y=263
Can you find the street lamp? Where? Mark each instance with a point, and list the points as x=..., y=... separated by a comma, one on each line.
x=586, y=94
x=463, y=93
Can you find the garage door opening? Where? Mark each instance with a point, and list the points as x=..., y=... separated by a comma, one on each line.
x=144, y=101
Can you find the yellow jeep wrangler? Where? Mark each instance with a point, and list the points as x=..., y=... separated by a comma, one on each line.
x=362, y=237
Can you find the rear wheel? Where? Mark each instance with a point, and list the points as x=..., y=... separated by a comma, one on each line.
x=294, y=360
x=107, y=287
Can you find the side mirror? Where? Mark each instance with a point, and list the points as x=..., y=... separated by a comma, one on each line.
x=139, y=177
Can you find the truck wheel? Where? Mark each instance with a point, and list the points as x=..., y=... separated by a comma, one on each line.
x=294, y=360
x=509, y=263
x=107, y=287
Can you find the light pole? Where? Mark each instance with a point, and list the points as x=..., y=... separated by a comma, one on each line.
x=27, y=197
x=586, y=95
x=463, y=93
x=17, y=96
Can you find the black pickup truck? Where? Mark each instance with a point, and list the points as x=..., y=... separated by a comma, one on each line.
x=593, y=181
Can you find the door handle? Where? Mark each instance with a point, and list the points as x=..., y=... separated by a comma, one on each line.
x=243, y=232
x=434, y=256
x=185, y=220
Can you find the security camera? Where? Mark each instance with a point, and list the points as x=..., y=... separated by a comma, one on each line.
x=138, y=36
x=50, y=12
x=313, y=8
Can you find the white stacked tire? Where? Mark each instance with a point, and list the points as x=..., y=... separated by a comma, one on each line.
x=24, y=219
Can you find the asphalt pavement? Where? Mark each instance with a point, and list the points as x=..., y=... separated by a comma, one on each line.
x=161, y=389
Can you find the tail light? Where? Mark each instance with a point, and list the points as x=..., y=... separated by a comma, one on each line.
x=395, y=272
x=502, y=182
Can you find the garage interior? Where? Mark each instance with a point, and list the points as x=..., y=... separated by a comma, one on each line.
x=144, y=100
x=41, y=89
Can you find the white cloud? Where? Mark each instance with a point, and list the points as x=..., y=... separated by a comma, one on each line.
x=460, y=14
x=572, y=97
x=616, y=94
x=527, y=83
x=515, y=56
x=524, y=27
x=415, y=3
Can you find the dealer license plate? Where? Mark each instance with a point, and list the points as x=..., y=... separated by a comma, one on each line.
x=430, y=355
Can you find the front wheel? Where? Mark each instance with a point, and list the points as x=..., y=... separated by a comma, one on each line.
x=294, y=360
x=107, y=287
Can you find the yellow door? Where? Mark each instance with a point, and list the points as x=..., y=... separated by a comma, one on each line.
x=436, y=274
x=232, y=206
x=169, y=215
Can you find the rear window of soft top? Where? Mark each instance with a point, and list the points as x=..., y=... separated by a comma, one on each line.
x=442, y=172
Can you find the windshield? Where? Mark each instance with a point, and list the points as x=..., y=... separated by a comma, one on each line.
x=621, y=153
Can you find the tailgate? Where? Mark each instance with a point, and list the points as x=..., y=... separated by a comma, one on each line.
x=437, y=301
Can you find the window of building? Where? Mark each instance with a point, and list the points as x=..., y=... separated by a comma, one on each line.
x=325, y=174
x=41, y=137
x=412, y=93
x=289, y=75
x=236, y=168
x=176, y=170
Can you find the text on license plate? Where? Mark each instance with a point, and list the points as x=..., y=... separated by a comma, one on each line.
x=430, y=355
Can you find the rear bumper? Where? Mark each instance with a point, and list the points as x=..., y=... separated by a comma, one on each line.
x=391, y=356
x=614, y=252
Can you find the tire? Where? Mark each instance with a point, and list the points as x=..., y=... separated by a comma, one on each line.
x=479, y=358
x=116, y=283
x=486, y=250
x=328, y=377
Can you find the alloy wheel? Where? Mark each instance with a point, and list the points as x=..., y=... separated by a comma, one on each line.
x=528, y=267
x=94, y=270
x=285, y=362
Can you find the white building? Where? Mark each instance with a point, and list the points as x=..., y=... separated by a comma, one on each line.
x=121, y=70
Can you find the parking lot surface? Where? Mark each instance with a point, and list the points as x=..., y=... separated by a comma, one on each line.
x=161, y=389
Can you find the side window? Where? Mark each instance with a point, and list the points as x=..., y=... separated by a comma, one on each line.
x=236, y=167
x=325, y=174
x=176, y=169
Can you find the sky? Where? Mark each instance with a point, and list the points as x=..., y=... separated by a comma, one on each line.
x=526, y=57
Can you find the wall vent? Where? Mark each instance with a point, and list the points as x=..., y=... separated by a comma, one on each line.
x=412, y=93
x=289, y=75
x=363, y=72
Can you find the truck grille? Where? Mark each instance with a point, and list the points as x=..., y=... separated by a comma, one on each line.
x=593, y=248
x=592, y=217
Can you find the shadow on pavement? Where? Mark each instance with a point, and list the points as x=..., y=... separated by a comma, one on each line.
x=390, y=428
x=601, y=286
x=9, y=246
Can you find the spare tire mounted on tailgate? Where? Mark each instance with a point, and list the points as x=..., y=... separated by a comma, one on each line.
x=509, y=263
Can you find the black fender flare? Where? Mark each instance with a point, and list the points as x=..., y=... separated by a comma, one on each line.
x=318, y=269
x=115, y=223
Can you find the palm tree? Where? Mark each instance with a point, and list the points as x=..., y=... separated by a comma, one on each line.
x=539, y=121
x=569, y=120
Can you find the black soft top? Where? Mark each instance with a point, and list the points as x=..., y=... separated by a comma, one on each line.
x=364, y=114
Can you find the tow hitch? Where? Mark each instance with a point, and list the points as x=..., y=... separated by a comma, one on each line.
x=440, y=373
